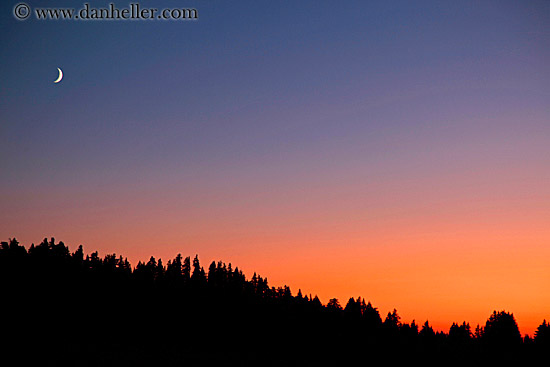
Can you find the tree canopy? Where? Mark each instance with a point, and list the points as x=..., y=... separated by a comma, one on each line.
x=84, y=307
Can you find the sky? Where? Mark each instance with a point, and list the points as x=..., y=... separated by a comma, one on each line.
x=393, y=150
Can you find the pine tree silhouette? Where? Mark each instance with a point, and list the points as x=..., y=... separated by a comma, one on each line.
x=89, y=310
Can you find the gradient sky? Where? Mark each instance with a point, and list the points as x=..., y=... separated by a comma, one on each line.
x=394, y=150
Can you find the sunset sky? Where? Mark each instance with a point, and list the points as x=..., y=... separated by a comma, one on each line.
x=393, y=150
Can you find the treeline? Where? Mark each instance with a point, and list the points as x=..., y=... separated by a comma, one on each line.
x=60, y=307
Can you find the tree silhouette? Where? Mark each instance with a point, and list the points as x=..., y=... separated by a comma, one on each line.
x=372, y=317
x=334, y=304
x=392, y=321
x=198, y=277
x=501, y=330
x=542, y=335
x=460, y=334
x=90, y=310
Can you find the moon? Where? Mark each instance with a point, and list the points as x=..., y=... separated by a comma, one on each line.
x=60, y=76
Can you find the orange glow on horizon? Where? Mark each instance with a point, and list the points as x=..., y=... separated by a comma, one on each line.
x=445, y=245
x=424, y=280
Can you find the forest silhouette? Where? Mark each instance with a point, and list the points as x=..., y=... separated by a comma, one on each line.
x=63, y=308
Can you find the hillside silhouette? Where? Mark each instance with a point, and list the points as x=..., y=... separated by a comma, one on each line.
x=63, y=308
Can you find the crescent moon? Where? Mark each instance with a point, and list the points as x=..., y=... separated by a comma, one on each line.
x=60, y=76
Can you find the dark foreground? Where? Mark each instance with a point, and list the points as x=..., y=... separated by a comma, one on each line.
x=63, y=308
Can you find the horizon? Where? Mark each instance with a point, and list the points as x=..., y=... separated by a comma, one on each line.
x=393, y=150
x=437, y=325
